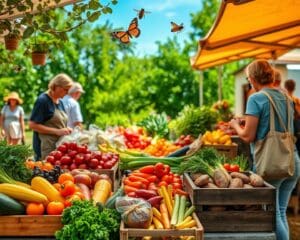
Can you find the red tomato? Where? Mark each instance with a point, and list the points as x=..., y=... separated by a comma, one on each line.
x=234, y=168
x=177, y=186
x=226, y=166
x=67, y=188
x=163, y=183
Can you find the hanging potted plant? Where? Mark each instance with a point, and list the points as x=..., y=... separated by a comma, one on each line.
x=39, y=53
x=12, y=39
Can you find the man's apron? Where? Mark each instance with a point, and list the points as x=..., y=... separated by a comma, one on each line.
x=58, y=120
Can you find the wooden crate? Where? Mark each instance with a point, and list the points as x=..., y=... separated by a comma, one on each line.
x=27, y=226
x=113, y=173
x=258, y=216
x=229, y=151
x=126, y=233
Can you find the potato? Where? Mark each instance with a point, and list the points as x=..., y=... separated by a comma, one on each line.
x=194, y=176
x=248, y=186
x=210, y=185
x=236, y=183
x=256, y=180
x=242, y=176
x=202, y=180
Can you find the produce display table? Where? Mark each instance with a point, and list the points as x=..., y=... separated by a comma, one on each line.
x=240, y=236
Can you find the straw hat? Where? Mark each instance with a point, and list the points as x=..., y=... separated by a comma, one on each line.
x=13, y=95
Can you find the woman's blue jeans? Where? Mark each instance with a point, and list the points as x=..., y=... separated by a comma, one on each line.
x=284, y=188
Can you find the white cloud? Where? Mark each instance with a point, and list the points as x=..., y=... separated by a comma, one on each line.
x=163, y=5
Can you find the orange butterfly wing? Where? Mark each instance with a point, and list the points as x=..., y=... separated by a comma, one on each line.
x=133, y=29
x=122, y=36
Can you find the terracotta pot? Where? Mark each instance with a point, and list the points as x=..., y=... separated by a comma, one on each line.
x=38, y=58
x=11, y=43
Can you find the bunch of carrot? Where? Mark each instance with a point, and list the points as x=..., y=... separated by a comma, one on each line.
x=173, y=212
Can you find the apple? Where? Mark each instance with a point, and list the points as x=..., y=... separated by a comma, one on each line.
x=50, y=159
x=58, y=155
x=65, y=166
x=73, y=166
x=72, y=154
x=82, y=149
x=79, y=159
x=73, y=146
x=62, y=148
x=57, y=163
x=94, y=163
x=97, y=155
x=82, y=166
x=87, y=157
x=66, y=160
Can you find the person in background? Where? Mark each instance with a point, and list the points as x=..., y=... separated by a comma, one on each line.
x=48, y=118
x=277, y=79
x=261, y=77
x=72, y=106
x=12, y=119
x=290, y=86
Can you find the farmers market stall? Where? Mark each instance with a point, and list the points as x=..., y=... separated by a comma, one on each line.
x=128, y=182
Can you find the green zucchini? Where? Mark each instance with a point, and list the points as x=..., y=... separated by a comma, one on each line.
x=9, y=206
x=110, y=203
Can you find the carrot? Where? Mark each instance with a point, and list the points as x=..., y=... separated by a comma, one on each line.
x=156, y=213
x=137, y=184
x=181, y=192
x=186, y=220
x=102, y=191
x=138, y=179
x=139, y=174
x=165, y=216
x=157, y=223
x=189, y=224
x=167, y=200
x=128, y=189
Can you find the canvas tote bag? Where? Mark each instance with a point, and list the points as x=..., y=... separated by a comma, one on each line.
x=274, y=155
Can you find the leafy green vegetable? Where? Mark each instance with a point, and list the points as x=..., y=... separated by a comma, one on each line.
x=85, y=221
x=156, y=125
x=12, y=161
x=204, y=161
x=194, y=120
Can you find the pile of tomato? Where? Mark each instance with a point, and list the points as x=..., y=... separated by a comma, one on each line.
x=231, y=167
x=135, y=138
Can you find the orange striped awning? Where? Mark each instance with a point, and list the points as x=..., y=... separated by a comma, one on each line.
x=250, y=29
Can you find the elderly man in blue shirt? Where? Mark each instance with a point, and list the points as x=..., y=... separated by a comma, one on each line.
x=72, y=107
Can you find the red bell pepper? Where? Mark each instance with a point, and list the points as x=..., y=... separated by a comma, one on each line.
x=161, y=169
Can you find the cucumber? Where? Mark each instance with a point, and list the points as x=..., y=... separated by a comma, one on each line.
x=110, y=203
x=9, y=206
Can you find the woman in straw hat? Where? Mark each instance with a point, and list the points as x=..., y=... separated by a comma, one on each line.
x=12, y=119
x=48, y=118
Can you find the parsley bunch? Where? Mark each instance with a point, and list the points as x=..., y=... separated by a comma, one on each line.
x=85, y=221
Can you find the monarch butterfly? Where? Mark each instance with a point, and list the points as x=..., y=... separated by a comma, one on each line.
x=176, y=27
x=141, y=12
x=133, y=31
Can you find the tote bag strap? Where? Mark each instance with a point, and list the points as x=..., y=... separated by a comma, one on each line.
x=274, y=108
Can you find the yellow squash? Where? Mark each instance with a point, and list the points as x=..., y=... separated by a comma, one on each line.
x=22, y=193
x=43, y=186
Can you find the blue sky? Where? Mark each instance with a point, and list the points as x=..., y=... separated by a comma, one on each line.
x=155, y=26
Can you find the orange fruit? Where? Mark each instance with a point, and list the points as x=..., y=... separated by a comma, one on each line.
x=57, y=186
x=35, y=209
x=64, y=177
x=55, y=208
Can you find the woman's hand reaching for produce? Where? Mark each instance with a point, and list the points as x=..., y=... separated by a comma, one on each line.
x=63, y=131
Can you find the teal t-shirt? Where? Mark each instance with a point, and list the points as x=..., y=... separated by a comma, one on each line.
x=259, y=105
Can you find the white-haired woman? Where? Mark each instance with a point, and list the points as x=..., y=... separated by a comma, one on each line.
x=48, y=118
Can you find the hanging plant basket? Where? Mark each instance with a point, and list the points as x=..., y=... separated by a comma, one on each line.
x=38, y=58
x=11, y=43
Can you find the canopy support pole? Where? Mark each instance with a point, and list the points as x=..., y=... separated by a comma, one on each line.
x=200, y=88
x=220, y=82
